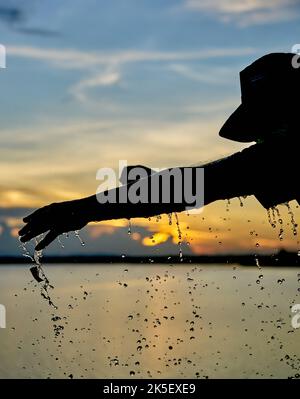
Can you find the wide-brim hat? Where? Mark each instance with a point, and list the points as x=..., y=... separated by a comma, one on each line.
x=270, y=95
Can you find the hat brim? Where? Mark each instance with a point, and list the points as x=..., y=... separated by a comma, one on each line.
x=243, y=125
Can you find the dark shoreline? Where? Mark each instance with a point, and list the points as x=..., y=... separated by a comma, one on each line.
x=282, y=258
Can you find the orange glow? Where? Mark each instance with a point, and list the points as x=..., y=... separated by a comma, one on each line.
x=14, y=232
x=136, y=236
x=155, y=239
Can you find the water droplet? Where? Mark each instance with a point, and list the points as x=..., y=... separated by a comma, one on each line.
x=293, y=222
x=60, y=242
x=257, y=262
x=227, y=205
x=76, y=232
x=129, y=227
x=179, y=234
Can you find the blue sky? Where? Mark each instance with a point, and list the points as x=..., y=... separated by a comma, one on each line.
x=90, y=82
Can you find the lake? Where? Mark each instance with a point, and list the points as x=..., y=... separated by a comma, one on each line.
x=161, y=321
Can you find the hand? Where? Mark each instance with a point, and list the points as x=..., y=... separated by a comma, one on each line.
x=55, y=219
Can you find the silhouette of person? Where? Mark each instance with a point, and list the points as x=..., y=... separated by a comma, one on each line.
x=268, y=169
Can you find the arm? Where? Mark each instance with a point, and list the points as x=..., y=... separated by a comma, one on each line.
x=73, y=215
x=255, y=170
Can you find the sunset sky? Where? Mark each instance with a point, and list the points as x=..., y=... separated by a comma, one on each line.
x=92, y=82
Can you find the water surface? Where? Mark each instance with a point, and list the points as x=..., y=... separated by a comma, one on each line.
x=183, y=321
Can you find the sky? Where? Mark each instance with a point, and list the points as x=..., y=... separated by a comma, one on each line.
x=88, y=83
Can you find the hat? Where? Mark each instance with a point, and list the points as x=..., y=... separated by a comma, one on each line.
x=269, y=87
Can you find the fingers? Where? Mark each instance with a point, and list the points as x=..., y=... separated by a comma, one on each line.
x=31, y=232
x=51, y=236
x=31, y=229
x=37, y=213
x=28, y=218
x=24, y=230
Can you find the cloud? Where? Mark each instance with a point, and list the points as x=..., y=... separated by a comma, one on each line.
x=104, y=79
x=105, y=68
x=247, y=12
x=72, y=59
x=203, y=74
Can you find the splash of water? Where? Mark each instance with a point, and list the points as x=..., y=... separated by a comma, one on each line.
x=26, y=253
x=38, y=272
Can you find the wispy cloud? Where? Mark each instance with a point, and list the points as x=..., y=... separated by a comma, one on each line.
x=105, y=68
x=204, y=74
x=69, y=58
x=102, y=79
x=247, y=12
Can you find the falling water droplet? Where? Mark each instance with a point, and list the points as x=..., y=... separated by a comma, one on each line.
x=60, y=242
x=257, y=263
x=276, y=212
x=76, y=232
x=293, y=222
x=227, y=205
x=179, y=235
x=129, y=227
x=270, y=219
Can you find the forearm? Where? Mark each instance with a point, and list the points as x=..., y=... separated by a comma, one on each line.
x=219, y=183
x=97, y=211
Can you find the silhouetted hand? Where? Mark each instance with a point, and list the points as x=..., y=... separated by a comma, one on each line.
x=55, y=219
